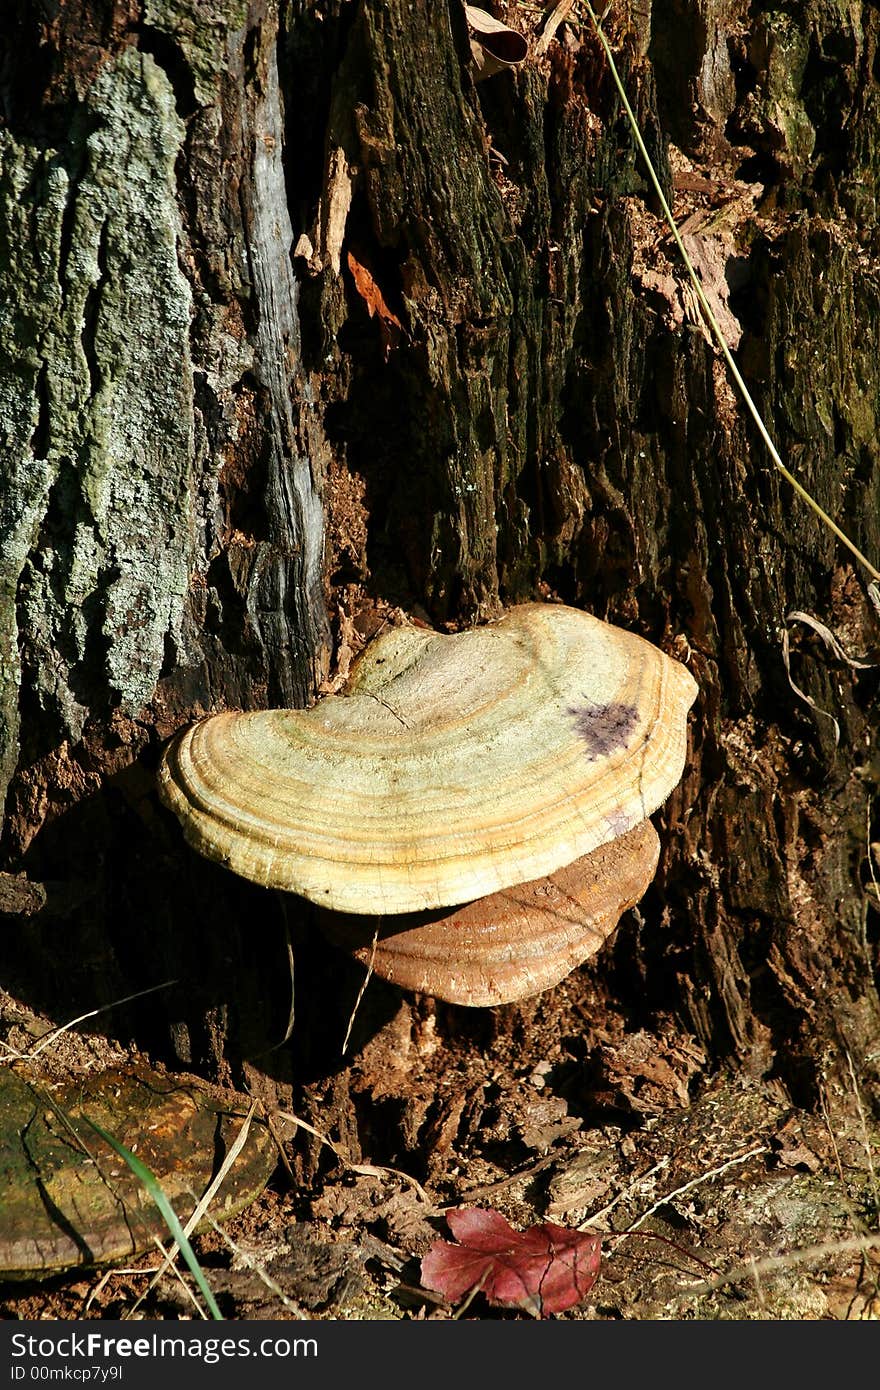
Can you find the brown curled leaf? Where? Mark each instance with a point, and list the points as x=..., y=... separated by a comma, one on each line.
x=494, y=45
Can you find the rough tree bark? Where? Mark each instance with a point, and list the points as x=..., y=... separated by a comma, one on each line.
x=217, y=460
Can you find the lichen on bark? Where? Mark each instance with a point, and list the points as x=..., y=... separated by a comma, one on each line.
x=97, y=406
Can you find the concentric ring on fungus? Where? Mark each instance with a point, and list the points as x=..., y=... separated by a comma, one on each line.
x=453, y=767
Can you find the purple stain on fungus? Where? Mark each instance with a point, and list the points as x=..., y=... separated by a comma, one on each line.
x=618, y=823
x=604, y=728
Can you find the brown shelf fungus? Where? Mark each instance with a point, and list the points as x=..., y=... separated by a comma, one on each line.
x=512, y=944
x=453, y=767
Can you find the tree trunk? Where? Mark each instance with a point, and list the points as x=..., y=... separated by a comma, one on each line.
x=302, y=320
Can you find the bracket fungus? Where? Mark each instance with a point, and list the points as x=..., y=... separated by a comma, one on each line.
x=454, y=767
x=511, y=944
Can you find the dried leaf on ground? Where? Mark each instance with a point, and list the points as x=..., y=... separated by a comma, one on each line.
x=543, y=1270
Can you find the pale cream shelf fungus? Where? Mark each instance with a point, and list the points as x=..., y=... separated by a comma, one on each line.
x=453, y=767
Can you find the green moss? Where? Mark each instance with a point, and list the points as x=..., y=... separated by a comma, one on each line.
x=201, y=31
x=779, y=50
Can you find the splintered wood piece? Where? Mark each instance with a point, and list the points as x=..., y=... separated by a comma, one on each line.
x=454, y=766
x=69, y=1200
x=512, y=944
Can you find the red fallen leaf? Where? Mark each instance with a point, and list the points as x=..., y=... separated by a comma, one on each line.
x=390, y=327
x=544, y=1269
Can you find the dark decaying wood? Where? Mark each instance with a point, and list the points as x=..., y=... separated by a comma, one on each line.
x=302, y=321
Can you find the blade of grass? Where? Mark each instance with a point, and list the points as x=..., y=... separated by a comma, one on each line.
x=710, y=317
x=263, y=1275
x=168, y=1263
x=201, y=1209
x=54, y=1033
x=369, y=1170
x=169, y=1215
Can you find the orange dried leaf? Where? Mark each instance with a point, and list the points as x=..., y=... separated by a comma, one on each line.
x=391, y=328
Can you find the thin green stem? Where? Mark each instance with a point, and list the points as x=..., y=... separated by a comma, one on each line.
x=710, y=316
x=152, y=1185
